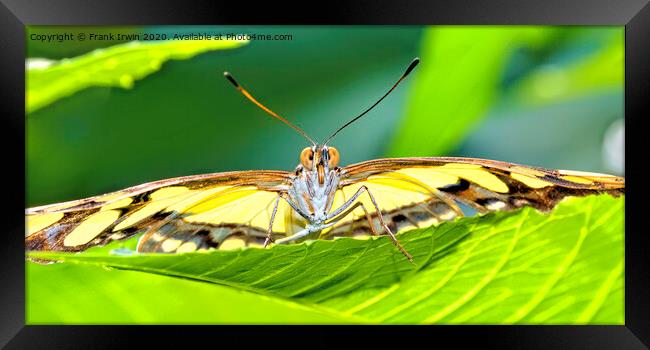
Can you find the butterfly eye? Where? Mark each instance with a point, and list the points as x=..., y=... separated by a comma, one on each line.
x=307, y=157
x=333, y=154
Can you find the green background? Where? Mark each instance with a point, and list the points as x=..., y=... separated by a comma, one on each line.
x=542, y=96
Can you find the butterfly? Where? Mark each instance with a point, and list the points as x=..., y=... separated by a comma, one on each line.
x=318, y=200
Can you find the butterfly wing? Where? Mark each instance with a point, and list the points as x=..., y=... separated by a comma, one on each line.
x=413, y=192
x=228, y=210
x=203, y=211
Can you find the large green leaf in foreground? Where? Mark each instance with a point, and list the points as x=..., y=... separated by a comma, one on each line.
x=526, y=267
x=118, y=66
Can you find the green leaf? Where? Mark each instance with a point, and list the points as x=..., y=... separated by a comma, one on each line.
x=118, y=66
x=522, y=267
x=456, y=84
x=90, y=294
x=462, y=76
x=557, y=83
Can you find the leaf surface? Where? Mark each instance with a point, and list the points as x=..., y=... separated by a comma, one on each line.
x=116, y=66
x=522, y=267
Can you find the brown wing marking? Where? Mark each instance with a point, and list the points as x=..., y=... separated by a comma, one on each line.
x=536, y=187
x=175, y=234
x=269, y=180
x=178, y=236
x=407, y=217
x=510, y=185
x=98, y=220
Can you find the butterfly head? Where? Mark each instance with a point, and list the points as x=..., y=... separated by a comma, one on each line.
x=319, y=161
x=315, y=182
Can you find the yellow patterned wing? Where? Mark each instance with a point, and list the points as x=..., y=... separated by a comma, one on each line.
x=414, y=192
x=230, y=210
x=181, y=214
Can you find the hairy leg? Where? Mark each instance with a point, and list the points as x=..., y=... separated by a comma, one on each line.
x=363, y=189
x=350, y=210
x=270, y=230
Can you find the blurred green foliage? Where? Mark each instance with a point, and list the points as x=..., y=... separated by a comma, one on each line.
x=187, y=119
x=118, y=66
x=497, y=269
x=477, y=93
x=474, y=69
x=458, y=85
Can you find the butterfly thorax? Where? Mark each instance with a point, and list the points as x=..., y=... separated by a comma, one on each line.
x=315, y=182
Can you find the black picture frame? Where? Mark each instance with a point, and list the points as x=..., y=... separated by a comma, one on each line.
x=17, y=14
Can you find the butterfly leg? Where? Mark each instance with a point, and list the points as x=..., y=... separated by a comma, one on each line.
x=369, y=218
x=300, y=234
x=360, y=191
x=294, y=206
x=269, y=233
x=294, y=237
x=307, y=231
x=350, y=210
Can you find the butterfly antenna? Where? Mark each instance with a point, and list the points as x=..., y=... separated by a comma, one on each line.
x=273, y=114
x=406, y=73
